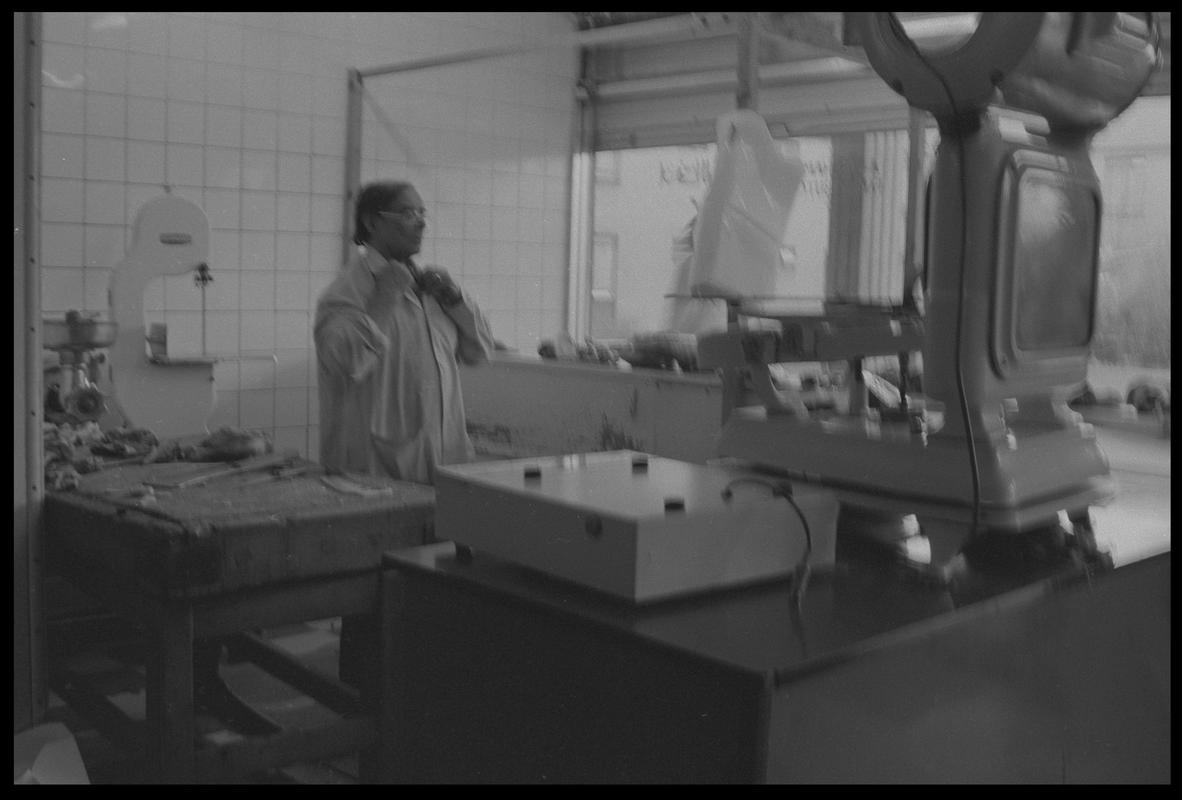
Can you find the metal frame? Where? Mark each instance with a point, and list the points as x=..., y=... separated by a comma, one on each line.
x=720, y=79
x=29, y=247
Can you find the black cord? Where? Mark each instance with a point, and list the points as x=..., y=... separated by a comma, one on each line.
x=782, y=489
x=964, y=403
x=803, y=570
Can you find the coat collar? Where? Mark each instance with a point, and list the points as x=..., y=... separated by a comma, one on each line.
x=405, y=273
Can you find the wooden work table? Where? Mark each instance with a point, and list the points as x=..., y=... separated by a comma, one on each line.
x=220, y=560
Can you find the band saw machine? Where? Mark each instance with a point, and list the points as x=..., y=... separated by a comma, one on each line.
x=1012, y=223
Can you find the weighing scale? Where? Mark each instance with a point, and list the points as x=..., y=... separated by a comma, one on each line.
x=1012, y=237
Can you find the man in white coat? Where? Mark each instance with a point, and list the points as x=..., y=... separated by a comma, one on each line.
x=390, y=337
x=389, y=340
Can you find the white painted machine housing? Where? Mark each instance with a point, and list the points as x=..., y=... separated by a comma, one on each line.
x=633, y=525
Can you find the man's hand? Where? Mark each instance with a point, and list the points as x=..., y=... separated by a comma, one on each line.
x=435, y=281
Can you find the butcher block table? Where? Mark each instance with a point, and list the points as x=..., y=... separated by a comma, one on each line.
x=219, y=559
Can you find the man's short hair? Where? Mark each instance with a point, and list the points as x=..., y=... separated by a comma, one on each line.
x=372, y=198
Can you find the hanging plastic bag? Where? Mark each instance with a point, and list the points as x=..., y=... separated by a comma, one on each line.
x=690, y=314
x=739, y=231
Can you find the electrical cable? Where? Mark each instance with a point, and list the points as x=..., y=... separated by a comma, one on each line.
x=803, y=569
x=963, y=397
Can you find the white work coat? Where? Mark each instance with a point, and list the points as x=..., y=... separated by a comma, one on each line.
x=388, y=371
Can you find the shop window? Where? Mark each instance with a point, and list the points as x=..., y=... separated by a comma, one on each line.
x=847, y=220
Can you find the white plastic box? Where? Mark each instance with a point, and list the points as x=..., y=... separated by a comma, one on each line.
x=636, y=526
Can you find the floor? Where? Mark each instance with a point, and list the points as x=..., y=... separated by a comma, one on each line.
x=1134, y=526
x=316, y=644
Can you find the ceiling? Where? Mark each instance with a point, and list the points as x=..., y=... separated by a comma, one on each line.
x=602, y=19
x=791, y=37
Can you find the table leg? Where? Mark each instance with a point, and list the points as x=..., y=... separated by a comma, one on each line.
x=169, y=699
x=360, y=665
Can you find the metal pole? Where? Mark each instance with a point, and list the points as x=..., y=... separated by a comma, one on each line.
x=748, y=68
x=444, y=60
x=912, y=249
x=746, y=97
x=690, y=25
x=582, y=227
x=34, y=464
x=352, y=159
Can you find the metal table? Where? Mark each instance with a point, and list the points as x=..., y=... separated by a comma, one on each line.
x=223, y=559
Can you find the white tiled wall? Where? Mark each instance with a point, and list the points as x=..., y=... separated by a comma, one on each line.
x=487, y=143
x=244, y=114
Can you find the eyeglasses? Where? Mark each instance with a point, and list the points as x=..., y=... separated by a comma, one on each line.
x=408, y=214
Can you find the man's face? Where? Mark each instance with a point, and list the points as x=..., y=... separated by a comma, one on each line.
x=397, y=230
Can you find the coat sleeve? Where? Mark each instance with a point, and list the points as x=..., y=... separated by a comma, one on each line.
x=475, y=345
x=349, y=344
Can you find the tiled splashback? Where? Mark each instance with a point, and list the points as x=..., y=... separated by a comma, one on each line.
x=244, y=114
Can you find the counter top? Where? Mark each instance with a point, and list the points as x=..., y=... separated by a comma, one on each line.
x=608, y=371
x=860, y=606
